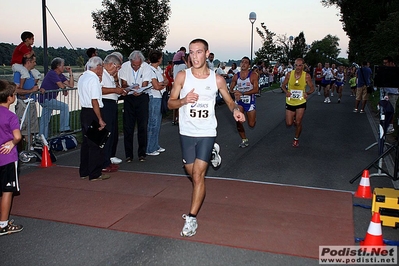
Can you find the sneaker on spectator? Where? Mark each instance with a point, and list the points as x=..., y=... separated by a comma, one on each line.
x=190, y=226
x=216, y=160
x=101, y=177
x=154, y=153
x=109, y=169
x=161, y=149
x=328, y=100
x=114, y=166
x=11, y=228
x=115, y=160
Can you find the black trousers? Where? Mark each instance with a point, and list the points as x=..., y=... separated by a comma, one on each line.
x=135, y=110
x=110, y=116
x=91, y=156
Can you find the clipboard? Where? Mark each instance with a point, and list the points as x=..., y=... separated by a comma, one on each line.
x=99, y=137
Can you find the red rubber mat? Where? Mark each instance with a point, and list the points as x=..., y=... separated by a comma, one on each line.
x=264, y=217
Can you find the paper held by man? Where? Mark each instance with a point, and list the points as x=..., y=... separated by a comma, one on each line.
x=135, y=88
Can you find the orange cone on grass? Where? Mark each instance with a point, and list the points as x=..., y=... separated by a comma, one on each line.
x=374, y=232
x=364, y=190
x=46, y=159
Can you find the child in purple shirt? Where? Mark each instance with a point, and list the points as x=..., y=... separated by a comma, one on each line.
x=10, y=135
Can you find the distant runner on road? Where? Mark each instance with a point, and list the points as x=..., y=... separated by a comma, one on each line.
x=244, y=86
x=296, y=96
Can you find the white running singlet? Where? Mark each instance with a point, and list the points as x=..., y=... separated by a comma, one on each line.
x=198, y=119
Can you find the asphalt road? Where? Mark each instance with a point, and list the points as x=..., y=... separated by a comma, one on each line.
x=331, y=151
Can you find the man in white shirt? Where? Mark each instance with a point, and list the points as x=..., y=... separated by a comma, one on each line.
x=135, y=76
x=221, y=70
x=326, y=81
x=209, y=61
x=111, y=92
x=90, y=98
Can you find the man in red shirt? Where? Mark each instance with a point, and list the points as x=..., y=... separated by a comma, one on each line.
x=275, y=73
x=169, y=74
x=24, y=49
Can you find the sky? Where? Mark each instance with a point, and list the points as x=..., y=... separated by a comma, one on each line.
x=224, y=24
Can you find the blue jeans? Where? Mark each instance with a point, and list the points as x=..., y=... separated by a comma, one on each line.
x=154, y=124
x=48, y=107
x=109, y=113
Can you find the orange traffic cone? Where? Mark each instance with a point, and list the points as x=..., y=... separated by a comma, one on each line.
x=46, y=159
x=374, y=232
x=364, y=190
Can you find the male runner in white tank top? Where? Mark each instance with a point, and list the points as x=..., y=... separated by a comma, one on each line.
x=194, y=92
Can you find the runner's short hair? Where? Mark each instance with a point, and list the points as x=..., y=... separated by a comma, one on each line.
x=205, y=43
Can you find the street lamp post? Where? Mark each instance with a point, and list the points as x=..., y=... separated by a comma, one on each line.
x=252, y=19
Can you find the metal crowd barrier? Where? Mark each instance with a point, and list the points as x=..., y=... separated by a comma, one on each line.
x=71, y=99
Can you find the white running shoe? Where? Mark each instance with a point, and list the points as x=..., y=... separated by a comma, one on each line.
x=161, y=149
x=115, y=160
x=216, y=160
x=190, y=226
x=328, y=100
x=154, y=153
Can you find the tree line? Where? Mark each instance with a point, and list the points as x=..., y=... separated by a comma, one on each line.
x=371, y=26
x=284, y=49
x=75, y=57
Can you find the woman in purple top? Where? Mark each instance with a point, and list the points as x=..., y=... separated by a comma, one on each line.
x=179, y=61
x=54, y=80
